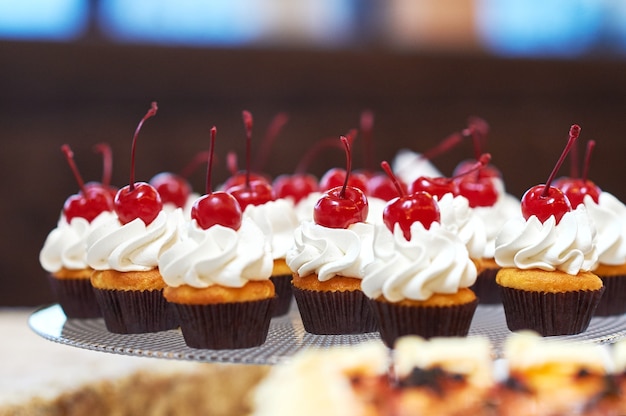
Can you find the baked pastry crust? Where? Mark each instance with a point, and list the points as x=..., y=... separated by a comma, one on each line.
x=536, y=280
x=336, y=284
x=115, y=280
x=606, y=270
x=484, y=264
x=280, y=268
x=189, y=295
x=64, y=273
x=461, y=297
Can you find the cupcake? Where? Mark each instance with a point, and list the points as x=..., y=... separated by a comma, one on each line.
x=278, y=221
x=126, y=278
x=443, y=376
x=218, y=274
x=420, y=286
x=546, y=257
x=328, y=259
x=608, y=215
x=64, y=253
x=327, y=266
x=124, y=252
x=549, y=377
x=546, y=275
x=419, y=280
x=218, y=279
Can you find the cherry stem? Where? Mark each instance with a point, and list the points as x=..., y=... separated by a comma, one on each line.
x=393, y=177
x=590, y=145
x=573, y=157
x=346, y=143
x=69, y=155
x=151, y=112
x=483, y=160
x=574, y=132
x=193, y=164
x=209, y=189
x=478, y=130
x=247, y=121
x=273, y=130
x=367, y=127
x=107, y=162
x=445, y=145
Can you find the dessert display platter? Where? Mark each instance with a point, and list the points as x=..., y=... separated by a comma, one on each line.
x=286, y=337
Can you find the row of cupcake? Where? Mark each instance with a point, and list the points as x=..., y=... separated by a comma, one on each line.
x=535, y=376
x=380, y=256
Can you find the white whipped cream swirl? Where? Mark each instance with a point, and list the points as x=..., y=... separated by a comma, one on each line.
x=569, y=246
x=66, y=245
x=458, y=217
x=132, y=246
x=277, y=219
x=217, y=255
x=331, y=251
x=433, y=261
x=609, y=219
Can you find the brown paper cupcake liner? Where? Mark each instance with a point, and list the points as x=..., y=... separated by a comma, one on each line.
x=226, y=325
x=613, y=301
x=335, y=313
x=486, y=288
x=135, y=312
x=395, y=320
x=282, y=285
x=548, y=314
x=76, y=297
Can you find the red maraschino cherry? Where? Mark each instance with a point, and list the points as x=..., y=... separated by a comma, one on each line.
x=479, y=190
x=344, y=205
x=577, y=188
x=138, y=199
x=216, y=208
x=477, y=130
x=335, y=177
x=296, y=186
x=251, y=192
x=90, y=201
x=545, y=201
x=405, y=209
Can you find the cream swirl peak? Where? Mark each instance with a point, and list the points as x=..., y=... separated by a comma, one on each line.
x=433, y=261
x=277, y=219
x=609, y=219
x=569, y=246
x=458, y=217
x=66, y=245
x=132, y=246
x=217, y=255
x=331, y=251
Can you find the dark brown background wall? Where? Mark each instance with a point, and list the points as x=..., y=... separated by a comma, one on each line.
x=83, y=94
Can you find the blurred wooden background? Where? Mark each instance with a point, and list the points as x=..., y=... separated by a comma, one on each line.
x=83, y=94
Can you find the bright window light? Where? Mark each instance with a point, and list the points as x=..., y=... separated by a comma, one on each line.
x=43, y=19
x=560, y=28
x=192, y=22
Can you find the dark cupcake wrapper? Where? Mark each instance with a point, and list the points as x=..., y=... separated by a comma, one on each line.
x=282, y=285
x=226, y=325
x=76, y=297
x=396, y=320
x=135, y=312
x=613, y=301
x=486, y=288
x=335, y=313
x=566, y=313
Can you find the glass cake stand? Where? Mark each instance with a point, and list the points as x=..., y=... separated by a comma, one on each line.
x=286, y=337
